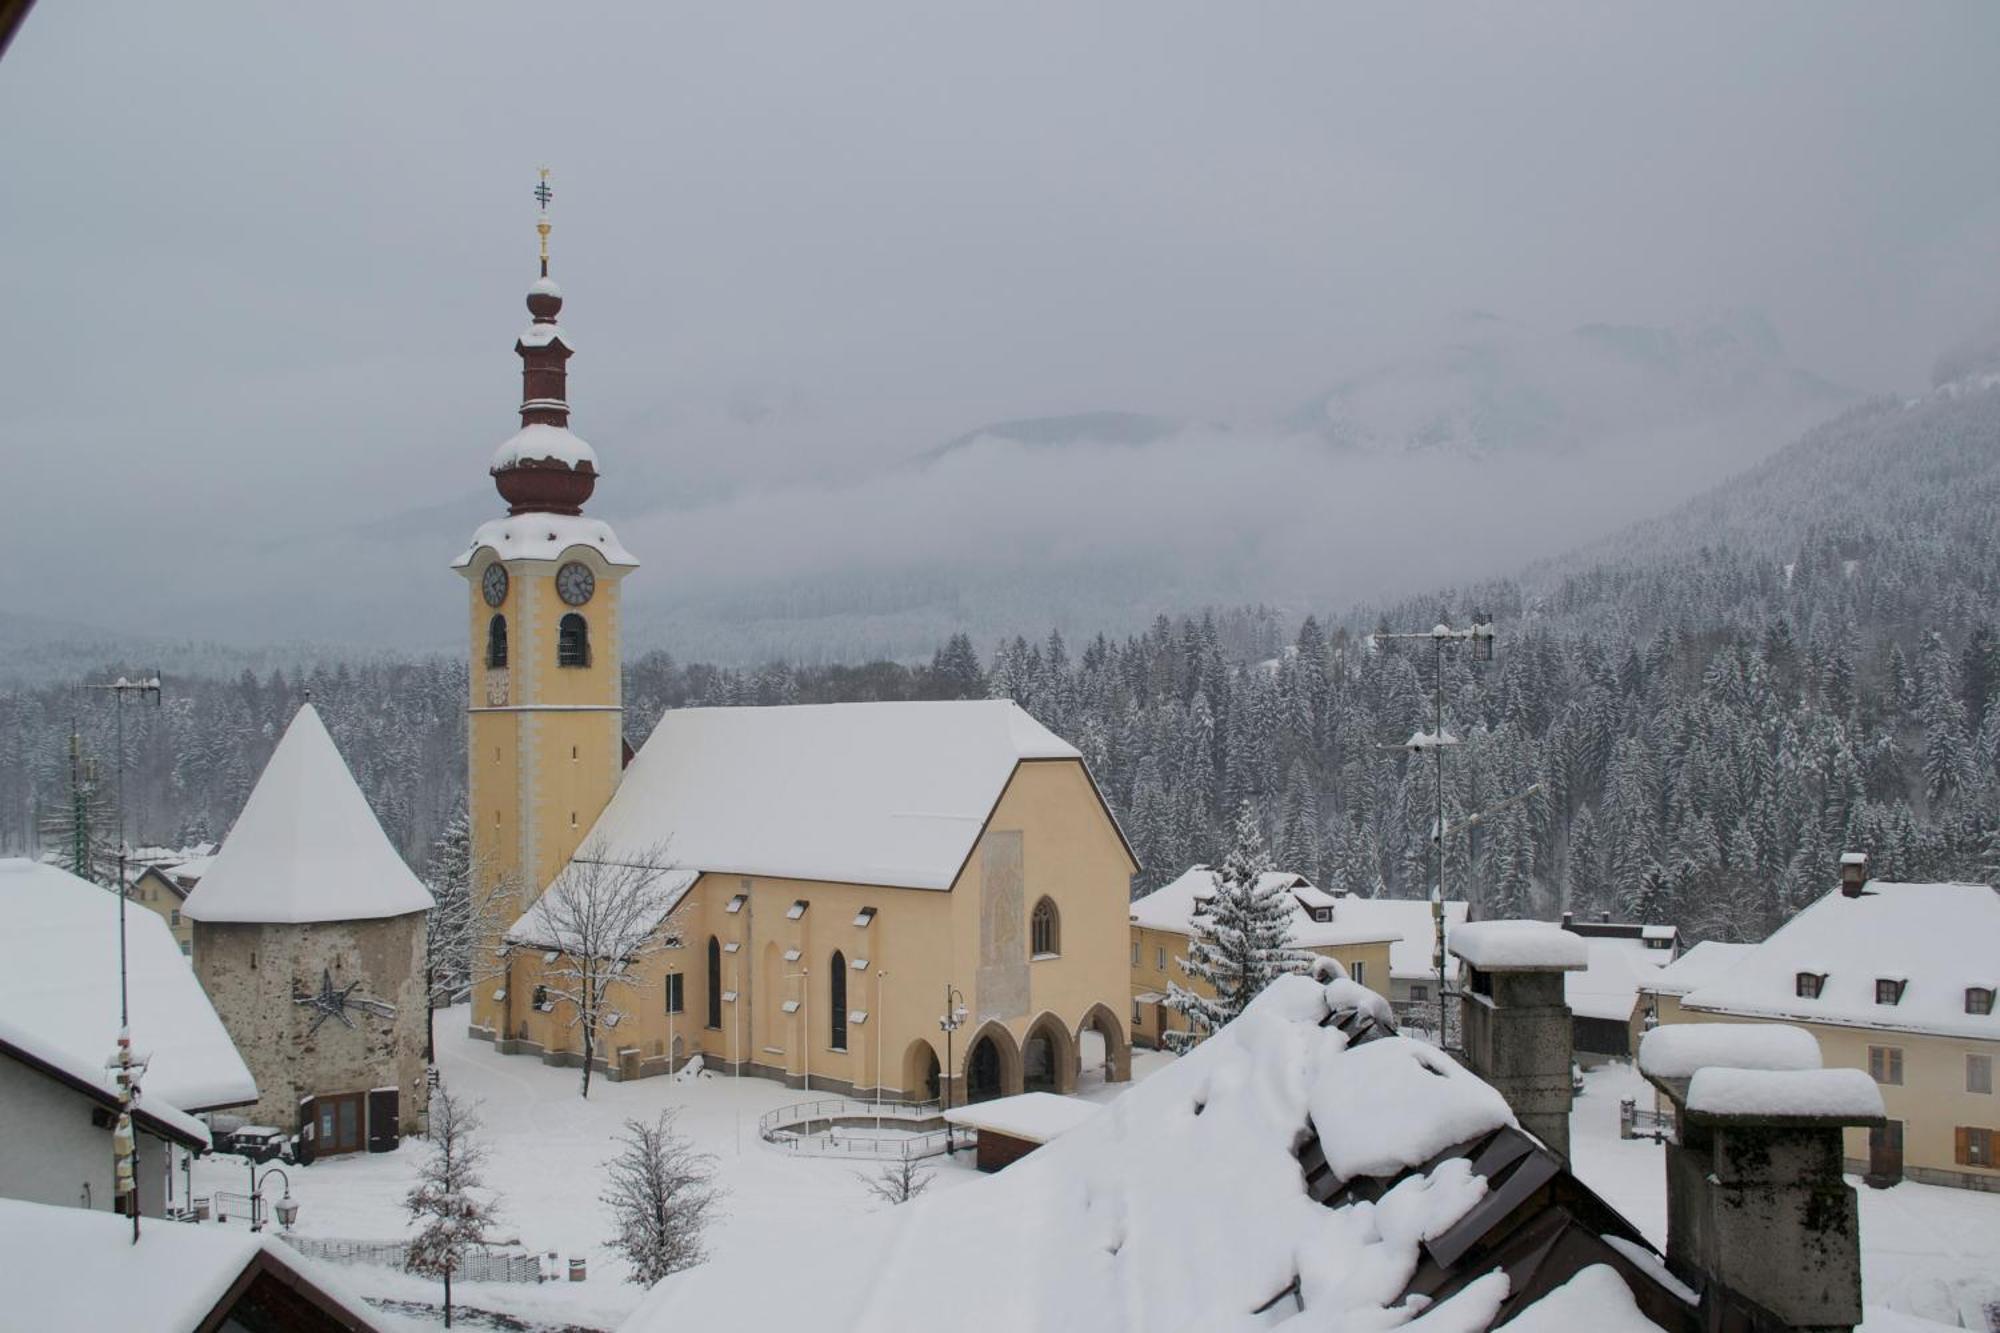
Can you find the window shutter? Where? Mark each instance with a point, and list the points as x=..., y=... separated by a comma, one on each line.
x=308, y=1130
x=1962, y=1146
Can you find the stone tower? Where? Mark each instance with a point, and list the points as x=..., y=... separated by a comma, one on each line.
x=309, y=939
x=544, y=729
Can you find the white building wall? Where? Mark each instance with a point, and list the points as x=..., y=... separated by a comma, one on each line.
x=50, y=1151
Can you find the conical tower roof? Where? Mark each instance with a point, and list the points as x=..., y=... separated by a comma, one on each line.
x=306, y=847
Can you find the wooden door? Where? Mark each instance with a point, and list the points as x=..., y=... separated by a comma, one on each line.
x=384, y=1128
x=1885, y=1153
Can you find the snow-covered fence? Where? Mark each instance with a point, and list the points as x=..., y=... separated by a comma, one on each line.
x=480, y=1265
x=849, y=1127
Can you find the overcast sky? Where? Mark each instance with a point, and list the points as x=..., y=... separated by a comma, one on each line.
x=264, y=262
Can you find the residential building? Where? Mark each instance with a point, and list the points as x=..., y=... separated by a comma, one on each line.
x=1898, y=980
x=163, y=895
x=59, y=1023
x=1604, y=998
x=1366, y=936
x=309, y=939
x=842, y=876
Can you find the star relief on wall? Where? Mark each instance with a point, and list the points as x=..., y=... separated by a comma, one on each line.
x=336, y=1001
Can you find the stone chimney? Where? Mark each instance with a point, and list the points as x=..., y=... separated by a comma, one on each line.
x=1853, y=873
x=1759, y=1220
x=1515, y=1020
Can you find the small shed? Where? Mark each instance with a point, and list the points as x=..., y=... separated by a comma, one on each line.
x=1010, y=1128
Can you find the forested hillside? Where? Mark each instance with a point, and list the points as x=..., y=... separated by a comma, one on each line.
x=1716, y=704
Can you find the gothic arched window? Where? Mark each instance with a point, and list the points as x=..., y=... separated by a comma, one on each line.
x=837, y=1001
x=572, y=642
x=714, y=983
x=1045, y=930
x=496, y=642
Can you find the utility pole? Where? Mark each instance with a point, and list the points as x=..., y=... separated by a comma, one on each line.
x=1480, y=636
x=124, y=1146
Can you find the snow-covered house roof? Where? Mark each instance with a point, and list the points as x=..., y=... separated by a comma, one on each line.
x=1943, y=938
x=59, y=991
x=91, y=1078
x=1305, y=1168
x=1171, y=907
x=1620, y=966
x=669, y=888
x=866, y=793
x=1700, y=965
x=78, y=1268
x=1035, y=1117
x=306, y=847
x=546, y=537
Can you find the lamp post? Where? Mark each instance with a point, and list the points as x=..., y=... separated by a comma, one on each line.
x=954, y=1014
x=1479, y=635
x=805, y=1021
x=288, y=1210
x=881, y=1020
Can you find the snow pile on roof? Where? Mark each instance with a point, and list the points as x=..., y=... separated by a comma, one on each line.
x=1596, y=1299
x=1842, y=1094
x=543, y=443
x=1618, y=970
x=1404, y=923
x=1704, y=963
x=667, y=890
x=865, y=793
x=306, y=847
x=1180, y=1206
x=544, y=286
x=77, y=1268
x=546, y=537
x=60, y=988
x=1943, y=937
x=1679, y=1049
x=1034, y=1116
x=1513, y=946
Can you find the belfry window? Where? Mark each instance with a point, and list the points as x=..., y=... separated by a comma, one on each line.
x=573, y=642
x=496, y=641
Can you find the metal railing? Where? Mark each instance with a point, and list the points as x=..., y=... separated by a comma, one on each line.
x=842, y=1127
x=478, y=1265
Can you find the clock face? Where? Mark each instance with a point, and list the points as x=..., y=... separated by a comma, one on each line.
x=494, y=584
x=575, y=583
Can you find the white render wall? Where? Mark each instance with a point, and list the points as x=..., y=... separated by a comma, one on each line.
x=50, y=1150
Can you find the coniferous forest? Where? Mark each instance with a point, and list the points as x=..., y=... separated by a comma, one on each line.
x=1714, y=704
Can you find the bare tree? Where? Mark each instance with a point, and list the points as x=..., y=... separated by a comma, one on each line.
x=603, y=917
x=452, y=1219
x=899, y=1181
x=661, y=1194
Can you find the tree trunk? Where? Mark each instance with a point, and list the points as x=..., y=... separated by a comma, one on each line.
x=589, y=1048
x=447, y=1298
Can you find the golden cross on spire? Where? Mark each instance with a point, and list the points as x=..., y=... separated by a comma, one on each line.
x=542, y=196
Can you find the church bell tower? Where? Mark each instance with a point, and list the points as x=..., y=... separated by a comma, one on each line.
x=544, y=721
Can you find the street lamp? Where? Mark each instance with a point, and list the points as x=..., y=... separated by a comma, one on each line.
x=287, y=1207
x=955, y=1013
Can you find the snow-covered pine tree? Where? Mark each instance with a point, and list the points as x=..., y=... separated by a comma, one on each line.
x=661, y=1193
x=1242, y=943
x=449, y=1203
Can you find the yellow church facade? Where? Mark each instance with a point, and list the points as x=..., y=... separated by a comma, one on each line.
x=907, y=897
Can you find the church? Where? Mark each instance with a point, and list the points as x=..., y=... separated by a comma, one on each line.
x=904, y=899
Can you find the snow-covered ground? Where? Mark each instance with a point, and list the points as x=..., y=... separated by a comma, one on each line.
x=547, y=1146
x=1924, y=1250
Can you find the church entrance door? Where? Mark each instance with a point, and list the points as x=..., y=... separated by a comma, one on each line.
x=340, y=1124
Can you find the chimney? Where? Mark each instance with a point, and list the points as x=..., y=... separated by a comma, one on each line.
x=1604, y=917
x=1759, y=1220
x=1514, y=1018
x=1853, y=873
x=1568, y=917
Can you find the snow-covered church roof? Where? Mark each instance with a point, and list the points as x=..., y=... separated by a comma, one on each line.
x=59, y=991
x=306, y=847
x=1302, y=1169
x=865, y=793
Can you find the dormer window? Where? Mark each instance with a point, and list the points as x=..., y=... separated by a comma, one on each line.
x=1889, y=990
x=1201, y=906
x=1808, y=985
x=1322, y=914
x=1978, y=999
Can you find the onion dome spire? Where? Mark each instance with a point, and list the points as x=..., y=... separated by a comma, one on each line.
x=544, y=468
